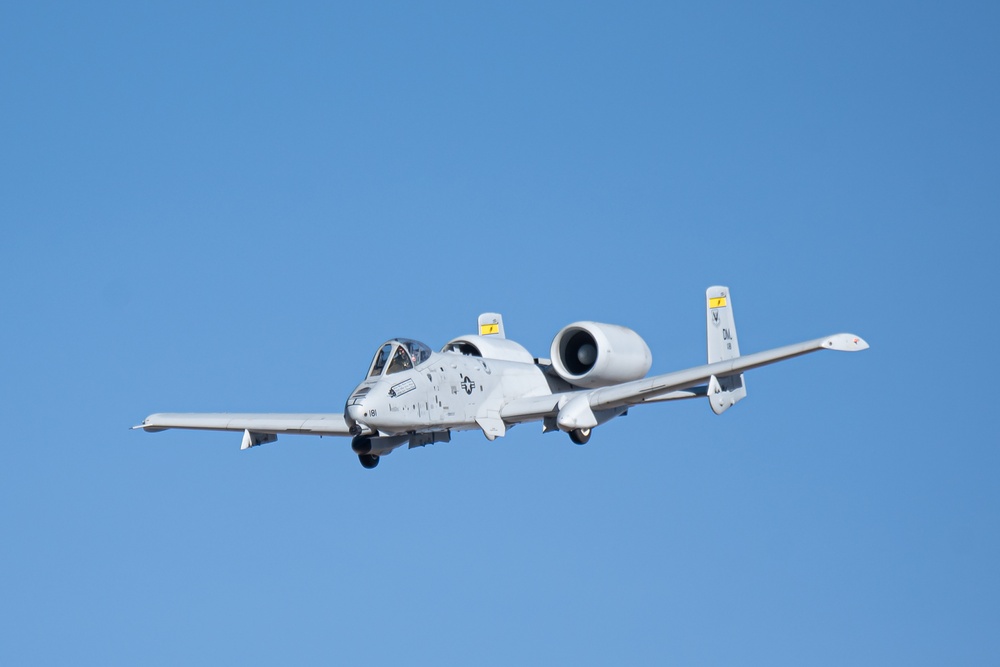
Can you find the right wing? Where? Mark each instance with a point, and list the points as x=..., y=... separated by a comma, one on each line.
x=258, y=428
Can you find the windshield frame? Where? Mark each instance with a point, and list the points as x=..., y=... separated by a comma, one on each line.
x=381, y=359
x=398, y=355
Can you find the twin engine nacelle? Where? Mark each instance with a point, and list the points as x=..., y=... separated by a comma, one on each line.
x=592, y=354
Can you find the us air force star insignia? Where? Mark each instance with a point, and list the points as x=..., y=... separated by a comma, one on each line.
x=468, y=385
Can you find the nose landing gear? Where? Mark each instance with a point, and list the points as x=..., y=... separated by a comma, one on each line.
x=368, y=461
x=362, y=446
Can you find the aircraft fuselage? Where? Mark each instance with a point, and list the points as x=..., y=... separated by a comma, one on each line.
x=448, y=391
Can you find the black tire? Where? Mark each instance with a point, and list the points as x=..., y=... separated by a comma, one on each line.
x=368, y=460
x=580, y=436
x=361, y=444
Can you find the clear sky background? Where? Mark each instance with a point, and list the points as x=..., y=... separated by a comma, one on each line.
x=229, y=206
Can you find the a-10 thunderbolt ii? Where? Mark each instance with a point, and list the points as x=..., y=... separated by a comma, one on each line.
x=413, y=396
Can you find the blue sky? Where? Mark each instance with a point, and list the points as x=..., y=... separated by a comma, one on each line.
x=229, y=207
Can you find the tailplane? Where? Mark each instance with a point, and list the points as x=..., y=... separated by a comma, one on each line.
x=726, y=391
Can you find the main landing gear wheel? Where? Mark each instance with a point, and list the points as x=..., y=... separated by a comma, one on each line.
x=368, y=460
x=580, y=436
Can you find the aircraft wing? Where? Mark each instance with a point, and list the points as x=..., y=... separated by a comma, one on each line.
x=638, y=391
x=678, y=384
x=263, y=423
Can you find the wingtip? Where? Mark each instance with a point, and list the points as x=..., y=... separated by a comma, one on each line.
x=845, y=342
x=146, y=426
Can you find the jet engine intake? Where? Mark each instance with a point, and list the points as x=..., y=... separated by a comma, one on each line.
x=592, y=354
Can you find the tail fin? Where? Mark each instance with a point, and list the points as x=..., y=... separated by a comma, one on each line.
x=491, y=324
x=726, y=391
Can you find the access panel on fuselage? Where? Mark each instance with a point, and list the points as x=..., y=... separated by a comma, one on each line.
x=462, y=383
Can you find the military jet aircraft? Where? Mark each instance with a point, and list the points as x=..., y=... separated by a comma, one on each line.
x=596, y=372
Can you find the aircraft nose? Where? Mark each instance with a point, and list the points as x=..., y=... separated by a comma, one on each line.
x=356, y=412
x=358, y=415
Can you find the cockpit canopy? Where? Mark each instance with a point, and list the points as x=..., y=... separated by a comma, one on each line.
x=398, y=354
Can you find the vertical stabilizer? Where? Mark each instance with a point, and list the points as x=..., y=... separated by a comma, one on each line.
x=723, y=392
x=491, y=324
x=722, y=342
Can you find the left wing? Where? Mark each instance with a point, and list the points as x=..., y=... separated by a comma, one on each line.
x=639, y=391
x=576, y=409
x=258, y=428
